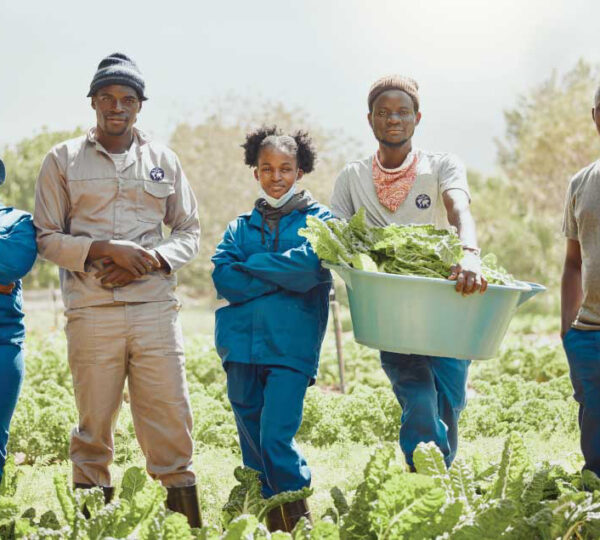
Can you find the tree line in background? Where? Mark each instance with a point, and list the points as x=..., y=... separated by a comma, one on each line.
x=549, y=136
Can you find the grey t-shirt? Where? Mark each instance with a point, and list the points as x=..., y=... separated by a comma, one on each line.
x=436, y=173
x=582, y=223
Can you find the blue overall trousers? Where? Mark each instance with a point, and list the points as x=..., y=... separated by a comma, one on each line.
x=17, y=255
x=583, y=353
x=432, y=393
x=11, y=377
x=267, y=402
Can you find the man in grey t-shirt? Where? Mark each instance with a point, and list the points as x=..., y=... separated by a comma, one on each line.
x=401, y=184
x=580, y=299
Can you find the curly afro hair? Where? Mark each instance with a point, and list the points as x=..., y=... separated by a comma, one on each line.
x=299, y=144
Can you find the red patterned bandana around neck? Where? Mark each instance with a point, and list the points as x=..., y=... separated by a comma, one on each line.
x=394, y=185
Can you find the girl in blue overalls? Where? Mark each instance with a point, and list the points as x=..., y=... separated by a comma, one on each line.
x=17, y=255
x=270, y=334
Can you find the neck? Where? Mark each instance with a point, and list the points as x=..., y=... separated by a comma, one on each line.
x=391, y=157
x=114, y=144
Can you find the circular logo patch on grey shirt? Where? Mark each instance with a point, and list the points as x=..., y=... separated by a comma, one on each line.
x=423, y=201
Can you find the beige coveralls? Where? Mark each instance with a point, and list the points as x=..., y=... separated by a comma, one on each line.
x=129, y=332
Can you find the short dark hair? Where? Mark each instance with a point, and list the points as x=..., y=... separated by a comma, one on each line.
x=299, y=144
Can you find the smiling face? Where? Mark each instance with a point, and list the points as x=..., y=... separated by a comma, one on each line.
x=277, y=171
x=116, y=109
x=393, y=118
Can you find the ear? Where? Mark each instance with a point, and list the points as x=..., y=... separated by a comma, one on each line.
x=300, y=175
x=594, y=114
x=94, y=102
x=256, y=174
x=140, y=106
x=417, y=118
x=370, y=119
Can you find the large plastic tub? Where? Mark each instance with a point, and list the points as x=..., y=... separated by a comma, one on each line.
x=418, y=315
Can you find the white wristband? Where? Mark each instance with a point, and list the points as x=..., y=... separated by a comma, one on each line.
x=475, y=250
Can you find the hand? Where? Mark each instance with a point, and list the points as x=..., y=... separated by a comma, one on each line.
x=468, y=275
x=132, y=257
x=113, y=276
x=7, y=289
x=164, y=265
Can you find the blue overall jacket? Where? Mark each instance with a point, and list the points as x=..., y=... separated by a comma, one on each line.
x=277, y=290
x=17, y=255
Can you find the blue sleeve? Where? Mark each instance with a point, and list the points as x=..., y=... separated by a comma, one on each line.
x=18, y=248
x=232, y=283
x=297, y=269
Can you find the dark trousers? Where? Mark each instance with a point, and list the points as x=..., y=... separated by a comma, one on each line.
x=432, y=394
x=267, y=402
x=583, y=352
x=11, y=377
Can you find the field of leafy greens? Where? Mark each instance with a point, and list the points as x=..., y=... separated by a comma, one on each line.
x=517, y=474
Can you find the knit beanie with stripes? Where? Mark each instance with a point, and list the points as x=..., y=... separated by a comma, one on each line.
x=118, y=68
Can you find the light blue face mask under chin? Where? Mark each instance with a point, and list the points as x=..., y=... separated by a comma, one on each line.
x=277, y=203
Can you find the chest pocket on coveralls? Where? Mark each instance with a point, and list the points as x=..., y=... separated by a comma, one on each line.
x=152, y=200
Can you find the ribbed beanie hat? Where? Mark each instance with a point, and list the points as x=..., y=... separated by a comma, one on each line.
x=118, y=68
x=394, y=82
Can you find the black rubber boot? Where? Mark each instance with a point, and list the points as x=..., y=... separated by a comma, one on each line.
x=185, y=501
x=109, y=493
x=284, y=517
x=276, y=520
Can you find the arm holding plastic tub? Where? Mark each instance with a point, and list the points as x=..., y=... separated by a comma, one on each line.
x=467, y=274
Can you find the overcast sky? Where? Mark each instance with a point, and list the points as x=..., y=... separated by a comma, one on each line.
x=471, y=58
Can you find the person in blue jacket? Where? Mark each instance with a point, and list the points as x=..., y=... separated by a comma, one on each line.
x=18, y=249
x=269, y=336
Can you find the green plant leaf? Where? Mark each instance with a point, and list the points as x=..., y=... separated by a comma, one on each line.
x=462, y=481
x=66, y=499
x=10, y=477
x=491, y=521
x=9, y=510
x=133, y=482
x=241, y=528
x=356, y=523
x=245, y=497
x=406, y=505
x=514, y=464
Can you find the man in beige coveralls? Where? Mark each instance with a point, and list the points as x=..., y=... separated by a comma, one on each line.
x=100, y=203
